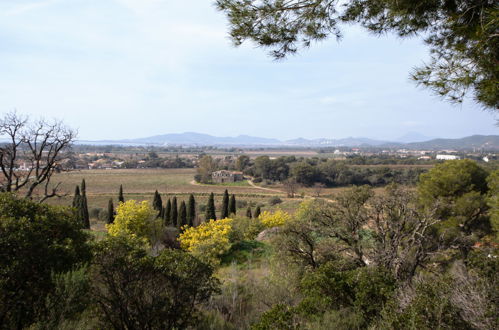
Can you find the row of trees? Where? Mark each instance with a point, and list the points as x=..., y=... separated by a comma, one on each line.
x=331, y=173
x=307, y=171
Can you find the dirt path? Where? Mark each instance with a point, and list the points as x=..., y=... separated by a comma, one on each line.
x=251, y=183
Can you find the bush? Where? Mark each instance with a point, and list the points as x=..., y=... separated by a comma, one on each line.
x=103, y=215
x=275, y=219
x=240, y=203
x=137, y=291
x=278, y=317
x=36, y=241
x=94, y=212
x=244, y=228
x=202, y=208
x=275, y=200
x=208, y=241
x=134, y=220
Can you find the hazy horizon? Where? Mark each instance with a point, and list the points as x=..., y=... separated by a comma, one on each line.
x=125, y=69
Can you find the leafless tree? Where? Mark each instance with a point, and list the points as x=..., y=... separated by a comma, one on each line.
x=32, y=154
x=318, y=187
x=291, y=186
x=402, y=241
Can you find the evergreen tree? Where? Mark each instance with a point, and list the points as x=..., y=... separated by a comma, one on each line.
x=157, y=203
x=110, y=211
x=191, y=210
x=167, y=213
x=210, y=209
x=182, y=215
x=76, y=198
x=232, y=205
x=85, y=217
x=121, y=199
x=248, y=213
x=225, y=206
x=257, y=212
x=174, y=212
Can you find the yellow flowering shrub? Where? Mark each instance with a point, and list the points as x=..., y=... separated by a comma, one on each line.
x=275, y=219
x=133, y=219
x=207, y=241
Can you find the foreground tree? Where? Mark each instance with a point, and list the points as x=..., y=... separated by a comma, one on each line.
x=32, y=155
x=36, y=241
x=134, y=290
x=462, y=35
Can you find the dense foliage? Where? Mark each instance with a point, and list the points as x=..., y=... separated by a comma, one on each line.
x=36, y=241
x=461, y=35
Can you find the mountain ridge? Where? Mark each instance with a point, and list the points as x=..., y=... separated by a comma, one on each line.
x=489, y=142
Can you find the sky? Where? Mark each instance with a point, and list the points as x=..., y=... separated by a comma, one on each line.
x=117, y=69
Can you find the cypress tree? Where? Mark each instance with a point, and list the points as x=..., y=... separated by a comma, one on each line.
x=232, y=204
x=182, y=215
x=121, y=199
x=248, y=213
x=174, y=212
x=210, y=209
x=76, y=198
x=110, y=211
x=167, y=213
x=157, y=203
x=257, y=212
x=83, y=212
x=84, y=205
x=191, y=210
x=225, y=206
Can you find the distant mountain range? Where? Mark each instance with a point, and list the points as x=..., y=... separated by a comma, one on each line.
x=409, y=141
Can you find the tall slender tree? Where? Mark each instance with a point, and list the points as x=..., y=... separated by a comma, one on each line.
x=232, y=205
x=157, y=203
x=248, y=212
x=210, y=209
x=182, y=215
x=84, y=205
x=257, y=212
x=167, y=213
x=174, y=212
x=76, y=198
x=191, y=210
x=110, y=211
x=224, y=213
x=121, y=199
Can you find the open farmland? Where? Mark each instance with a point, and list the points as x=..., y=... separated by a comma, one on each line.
x=140, y=184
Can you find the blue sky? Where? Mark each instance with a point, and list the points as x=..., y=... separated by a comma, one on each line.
x=118, y=69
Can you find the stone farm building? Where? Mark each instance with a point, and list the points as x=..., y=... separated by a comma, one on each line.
x=224, y=176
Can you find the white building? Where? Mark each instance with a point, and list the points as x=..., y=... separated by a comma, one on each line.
x=447, y=157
